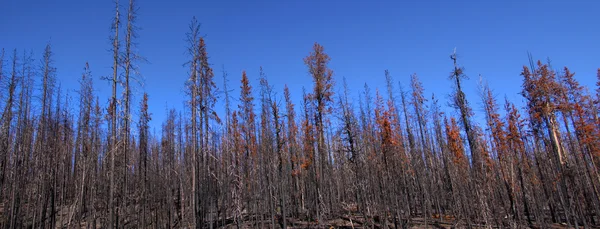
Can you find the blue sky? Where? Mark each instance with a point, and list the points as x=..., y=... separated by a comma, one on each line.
x=363, y=39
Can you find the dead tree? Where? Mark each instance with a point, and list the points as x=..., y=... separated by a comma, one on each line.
x=322, y=96
x=114, y=142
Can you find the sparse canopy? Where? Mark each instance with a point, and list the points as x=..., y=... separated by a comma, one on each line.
x=381, y=164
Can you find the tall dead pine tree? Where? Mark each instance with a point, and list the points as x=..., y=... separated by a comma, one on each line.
x=459, y=101
x=130, y=69
x=248, y=136
x=145, y=118
x=322, y=96
x=114, y=145
x=193, y=37
x=541, y=90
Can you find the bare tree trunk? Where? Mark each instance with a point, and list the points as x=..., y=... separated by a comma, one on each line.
x=114, y=145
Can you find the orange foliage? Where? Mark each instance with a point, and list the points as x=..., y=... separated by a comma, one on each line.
x=396, y=131
x=455, y=143
x=291, y=121
x=485, y=154
x=588, y=132
x=515, y=123
x=542, y=91
x=247, y=115
x=308, y=138
x=237, y=137
x=382, y=118
x=322, y=77
x=495, y=124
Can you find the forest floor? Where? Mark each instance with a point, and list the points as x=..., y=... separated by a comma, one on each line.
x=341, y=223
x=348, y=223
x=65, y=219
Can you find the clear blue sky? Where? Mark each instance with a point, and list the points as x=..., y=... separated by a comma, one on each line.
x=362, y=37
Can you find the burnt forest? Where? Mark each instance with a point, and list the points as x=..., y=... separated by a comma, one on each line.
x=387, y=157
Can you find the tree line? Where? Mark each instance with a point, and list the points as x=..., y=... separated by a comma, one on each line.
x=392, y=159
